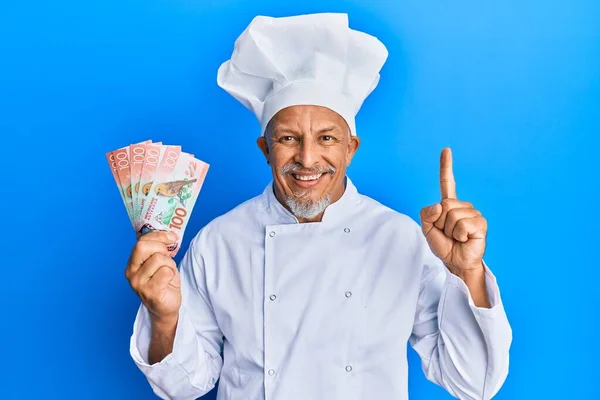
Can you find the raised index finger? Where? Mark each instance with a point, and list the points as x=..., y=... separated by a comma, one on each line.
x=447, y=184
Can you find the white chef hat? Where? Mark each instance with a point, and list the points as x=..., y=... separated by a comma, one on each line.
x=311, y=59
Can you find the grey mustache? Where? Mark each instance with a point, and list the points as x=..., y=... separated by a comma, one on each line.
x=295, y=168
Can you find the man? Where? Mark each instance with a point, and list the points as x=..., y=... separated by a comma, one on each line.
x=312, y=290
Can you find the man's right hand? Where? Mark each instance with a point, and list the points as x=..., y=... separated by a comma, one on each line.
x=153, y=275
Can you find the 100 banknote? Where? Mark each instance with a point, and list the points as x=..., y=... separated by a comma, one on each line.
x=159, y=185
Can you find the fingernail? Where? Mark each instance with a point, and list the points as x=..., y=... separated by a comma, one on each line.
x=172, y=236
x=432, y=209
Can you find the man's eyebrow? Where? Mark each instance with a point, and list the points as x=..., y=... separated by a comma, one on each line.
x=329, y=129
x=284, y=130
x=293, y=131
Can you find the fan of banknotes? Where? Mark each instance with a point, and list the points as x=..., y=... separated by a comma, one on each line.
x=159, y=185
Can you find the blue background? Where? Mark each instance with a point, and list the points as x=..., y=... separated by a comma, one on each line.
x=513, y=87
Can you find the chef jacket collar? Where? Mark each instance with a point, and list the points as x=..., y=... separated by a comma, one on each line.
x=334, y=212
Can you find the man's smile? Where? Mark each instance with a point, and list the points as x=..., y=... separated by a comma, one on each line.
x=308, y=180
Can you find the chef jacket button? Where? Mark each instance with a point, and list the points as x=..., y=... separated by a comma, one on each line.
x=271, y=372
x=272, y=297
x=271, y=233
x=347, y=230
x=348, y=368
x=348, y=294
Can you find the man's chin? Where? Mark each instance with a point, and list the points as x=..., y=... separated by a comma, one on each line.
x=304, y=207
x=305, y=201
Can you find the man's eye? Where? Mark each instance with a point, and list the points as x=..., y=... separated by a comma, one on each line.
x=287, y=138
x=327, y=138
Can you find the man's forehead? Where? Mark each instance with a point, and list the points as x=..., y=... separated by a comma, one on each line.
x=301, y=117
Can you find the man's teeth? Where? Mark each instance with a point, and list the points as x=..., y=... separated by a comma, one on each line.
x=308, y=177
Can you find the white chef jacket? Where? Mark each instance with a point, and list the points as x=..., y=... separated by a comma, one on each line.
x=281, y=310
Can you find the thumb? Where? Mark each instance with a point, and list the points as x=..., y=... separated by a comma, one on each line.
x=429, y=215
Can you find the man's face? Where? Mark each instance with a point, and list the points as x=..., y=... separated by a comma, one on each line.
x=309, y=149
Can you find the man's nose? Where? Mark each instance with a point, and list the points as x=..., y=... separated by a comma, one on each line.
x=307, y=154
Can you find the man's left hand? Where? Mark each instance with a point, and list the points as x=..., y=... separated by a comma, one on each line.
x=454, y=229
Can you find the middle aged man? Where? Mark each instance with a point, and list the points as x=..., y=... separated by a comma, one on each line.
x=312, y=290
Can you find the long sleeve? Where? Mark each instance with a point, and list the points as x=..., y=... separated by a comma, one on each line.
x=194, y=365
x=463, y=348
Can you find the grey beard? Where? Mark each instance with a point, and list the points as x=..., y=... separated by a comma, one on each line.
x=307, y=209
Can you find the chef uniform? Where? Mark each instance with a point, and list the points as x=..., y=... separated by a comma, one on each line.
x=282, y=310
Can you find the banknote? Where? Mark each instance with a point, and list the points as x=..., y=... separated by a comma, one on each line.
x=120, y=160
x=110, y=157
x=154, y=154
x=159, y=185
x=120, y=167
x=138, y=157
x=124, y=172
x=173, y=193
x=137, y=154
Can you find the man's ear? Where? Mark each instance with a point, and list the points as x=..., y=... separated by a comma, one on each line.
x=353, y=145
x=264, y=147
